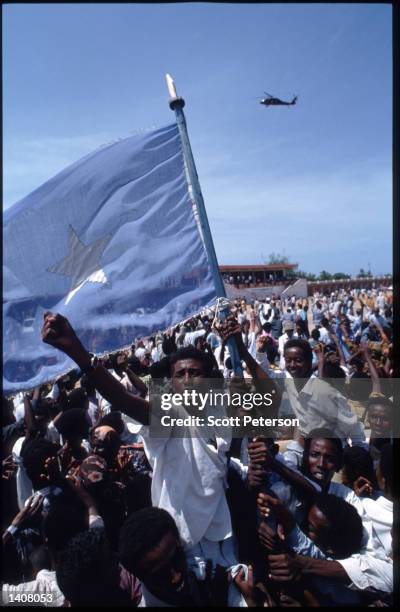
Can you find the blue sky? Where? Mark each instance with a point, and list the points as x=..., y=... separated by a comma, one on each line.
x=313, y=180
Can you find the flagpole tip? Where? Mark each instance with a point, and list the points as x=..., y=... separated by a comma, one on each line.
x=175, y=100
x=171, y=86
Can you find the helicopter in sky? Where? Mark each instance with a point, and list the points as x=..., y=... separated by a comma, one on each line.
x=271, y=101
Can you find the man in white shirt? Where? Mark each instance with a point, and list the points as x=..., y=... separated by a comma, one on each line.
x=289, y=333
x=188, y=472
x=377, y=518
x=191, y=337
x=314, y=402
x=322, y=457
x=335, y=307
x=367, y=569
x=335, y=538
x=324, y=331
x=381, y=302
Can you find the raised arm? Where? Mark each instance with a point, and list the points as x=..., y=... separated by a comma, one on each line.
x=260, y=455
x=339, y=348
x=264, y=383
x=376, y=385
x=58, y=332
x=30, y=426
x=289, y=566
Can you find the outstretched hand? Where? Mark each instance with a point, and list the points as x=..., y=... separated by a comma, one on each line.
x=268, y=504
x=52, y=471
x=363, y=487
x=76, y=484
x=246, y=586
x=364, y=348
x=31, y=509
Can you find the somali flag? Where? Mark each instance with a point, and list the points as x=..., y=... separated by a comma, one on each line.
x=112, y=243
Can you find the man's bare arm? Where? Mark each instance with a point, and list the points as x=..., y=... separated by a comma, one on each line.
x=264, y=383
x=286, y=567
x=58, y=332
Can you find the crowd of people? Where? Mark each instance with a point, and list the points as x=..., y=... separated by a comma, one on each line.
x=247, y=280
x=98, y=511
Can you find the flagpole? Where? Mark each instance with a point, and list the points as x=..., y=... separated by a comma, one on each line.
x=176, y=104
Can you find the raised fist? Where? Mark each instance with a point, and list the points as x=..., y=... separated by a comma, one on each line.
x=58, y=332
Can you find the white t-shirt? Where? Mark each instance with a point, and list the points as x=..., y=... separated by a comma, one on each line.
x=155, y=355
x=318, y=404
x=140, y=352
x=45, y=584
x=241, y=317
x=373, y=568
x=24, y=484
x=191, y=337
x=281, y=345
x=189, y=480
x=324, y=336
x=378, y=514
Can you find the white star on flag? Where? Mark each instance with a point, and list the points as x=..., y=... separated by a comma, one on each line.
x=82, y=263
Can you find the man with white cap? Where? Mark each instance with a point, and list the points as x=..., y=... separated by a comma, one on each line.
x=289, y=333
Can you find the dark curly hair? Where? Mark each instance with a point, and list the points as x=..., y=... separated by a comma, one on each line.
x=190, y=352
x=84, y=567
x=141, y=533
x=303, y=345
x=344, y=535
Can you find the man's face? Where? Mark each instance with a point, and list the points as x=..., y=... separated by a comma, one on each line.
x=296, y=365
x=322, y=460
x=380, y=421
x=332, y=357
x=187, y=374
x=106, y=442
x=318, y=526
x=163, y=570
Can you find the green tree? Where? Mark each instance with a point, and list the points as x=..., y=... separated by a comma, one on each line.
x=307, y=275
x=340, y=276
x=277, y=258
x=324, y=275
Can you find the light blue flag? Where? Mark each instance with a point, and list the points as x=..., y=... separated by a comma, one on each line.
x=112, y=243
